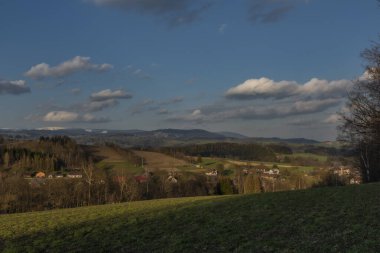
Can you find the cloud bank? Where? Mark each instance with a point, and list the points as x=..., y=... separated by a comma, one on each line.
x=66, y=116
x=96, y=106
x=254, y=112
x=333, y=119
x=101, y=100
x=265, y=88
x=16, y=87
x=74, y=65
x=108, y=94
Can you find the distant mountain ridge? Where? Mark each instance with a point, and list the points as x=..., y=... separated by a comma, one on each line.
x=233, y=135
x=136, y=137
x=285, y=140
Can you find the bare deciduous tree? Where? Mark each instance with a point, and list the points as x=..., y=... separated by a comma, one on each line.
x=361, y=124
x=88, y=173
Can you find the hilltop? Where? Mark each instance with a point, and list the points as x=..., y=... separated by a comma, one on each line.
x=341, y=219
x=141, y=138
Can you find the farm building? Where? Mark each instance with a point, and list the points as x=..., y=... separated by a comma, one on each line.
x=40, y=174
x=74, y=175
x=141, y=178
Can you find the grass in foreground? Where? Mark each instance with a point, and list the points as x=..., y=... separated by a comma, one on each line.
x=343, y=219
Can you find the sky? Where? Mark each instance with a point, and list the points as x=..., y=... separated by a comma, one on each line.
x=262, y=68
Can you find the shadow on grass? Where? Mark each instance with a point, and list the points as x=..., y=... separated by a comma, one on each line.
x=319, y=220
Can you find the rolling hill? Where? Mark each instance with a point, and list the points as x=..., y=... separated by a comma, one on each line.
x=342, y=219
x=141, y=138
x=155, y=160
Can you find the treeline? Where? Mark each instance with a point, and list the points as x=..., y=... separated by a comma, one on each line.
x=224, y=150
x=46, y=154
x=98, y=186
x=280, y=148
x=329, y=151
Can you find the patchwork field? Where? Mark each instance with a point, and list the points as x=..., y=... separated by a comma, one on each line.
x=109, y=157
x=155, y=160
x=342, y=219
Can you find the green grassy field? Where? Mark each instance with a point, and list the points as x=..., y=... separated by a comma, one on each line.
x=320, y=158
x=343, y=219
x=269, y=165
x=111, y=158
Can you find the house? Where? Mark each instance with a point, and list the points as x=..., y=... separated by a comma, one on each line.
x=355, y=180
x=40, y=174
x=213, y=172
x=272, y=172
x=342, y=171
x=74, y=176
x=141, y=179
x=172, y=179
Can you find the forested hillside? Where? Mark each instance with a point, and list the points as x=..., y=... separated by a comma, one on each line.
x=226, y=150
x=48, y=154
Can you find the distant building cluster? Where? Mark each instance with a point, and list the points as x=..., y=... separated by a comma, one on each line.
x=212, y=173
x=353, y=175
x=43, y=175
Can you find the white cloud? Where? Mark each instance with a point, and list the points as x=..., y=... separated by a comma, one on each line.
x=76, y=64
x=266, y=88
x=333, y=119
x=65, y=116
x=279, y=111
x=195, y=116
x=61, y=116
x=94, y=106
x=324, y=89
x=109, y=94
x=13, y=87
x=262, y=88
x=366, y=76
x=254, y=112
x=92, y=119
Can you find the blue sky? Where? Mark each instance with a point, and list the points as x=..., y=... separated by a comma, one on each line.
x=258, y=67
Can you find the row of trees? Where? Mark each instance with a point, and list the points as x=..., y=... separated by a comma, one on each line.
x=101, y=186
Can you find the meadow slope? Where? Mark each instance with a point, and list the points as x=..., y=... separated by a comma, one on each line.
x=342, y=219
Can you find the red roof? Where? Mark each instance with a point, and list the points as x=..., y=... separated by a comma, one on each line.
x=141, y=178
